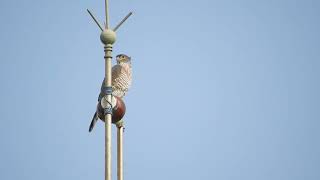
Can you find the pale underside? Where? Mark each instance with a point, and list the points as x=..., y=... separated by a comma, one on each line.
x=121, y=80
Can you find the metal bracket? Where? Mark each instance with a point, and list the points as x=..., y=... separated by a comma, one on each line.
x=108, y=109
x=120, y=124
x=106, y=90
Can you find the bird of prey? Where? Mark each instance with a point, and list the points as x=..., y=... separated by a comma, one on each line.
x=121, y=81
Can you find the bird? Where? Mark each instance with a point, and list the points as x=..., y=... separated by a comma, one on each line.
x=121, y=82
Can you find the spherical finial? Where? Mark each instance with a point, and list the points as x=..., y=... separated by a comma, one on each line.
x=108, y=36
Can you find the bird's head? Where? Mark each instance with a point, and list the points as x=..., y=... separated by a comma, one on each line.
x=122, y=58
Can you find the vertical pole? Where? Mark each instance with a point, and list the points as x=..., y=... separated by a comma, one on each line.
x=120, y=153
x=107, y=13
x=108, y=117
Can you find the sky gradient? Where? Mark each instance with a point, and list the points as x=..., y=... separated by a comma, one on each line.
x=222, y=89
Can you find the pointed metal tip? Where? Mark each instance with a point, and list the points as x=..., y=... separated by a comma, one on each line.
x=123, y=20
x=95, y=20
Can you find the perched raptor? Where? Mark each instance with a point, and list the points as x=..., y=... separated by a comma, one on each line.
x=121, y=81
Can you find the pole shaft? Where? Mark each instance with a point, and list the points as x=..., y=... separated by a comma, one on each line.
x=120, y=153
x=108, y=117
x=107, y=13
x=108, y=148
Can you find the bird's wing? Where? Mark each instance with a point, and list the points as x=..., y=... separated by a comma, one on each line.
x=93, y=121
x=116, y=71
x=101, y=94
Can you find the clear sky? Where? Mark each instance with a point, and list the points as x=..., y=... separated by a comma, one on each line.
x=222, y=89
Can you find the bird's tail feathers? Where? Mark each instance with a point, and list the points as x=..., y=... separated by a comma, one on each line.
x=93, y=122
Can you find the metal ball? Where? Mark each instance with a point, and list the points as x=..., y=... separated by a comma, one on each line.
x=118, y=110
x=108, y=36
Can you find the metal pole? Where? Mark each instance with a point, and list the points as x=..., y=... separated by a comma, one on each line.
x=107, y=13
x=120, y=153
x=108, y=37
x=108, y=117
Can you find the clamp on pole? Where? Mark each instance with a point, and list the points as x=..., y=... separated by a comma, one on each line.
x=107, y=90
x=108, y=109
x=120, y=124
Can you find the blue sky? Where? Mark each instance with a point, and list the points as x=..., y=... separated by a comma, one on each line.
x=222, y=89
